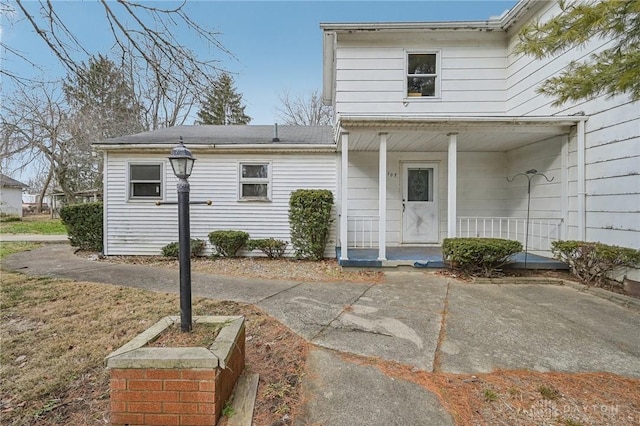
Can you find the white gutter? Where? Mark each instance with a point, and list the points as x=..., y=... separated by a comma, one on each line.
x=382, y=120
x=219, y=147
x=490, y=25
x=328, y=67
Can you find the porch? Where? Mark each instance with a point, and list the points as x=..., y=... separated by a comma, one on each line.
x=410, y=183
x=431, y=257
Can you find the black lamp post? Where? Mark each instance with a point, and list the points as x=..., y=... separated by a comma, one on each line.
x=529, y=174
x=182, y=164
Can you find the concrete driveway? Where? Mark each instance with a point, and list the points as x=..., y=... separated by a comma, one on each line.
x=413, y=318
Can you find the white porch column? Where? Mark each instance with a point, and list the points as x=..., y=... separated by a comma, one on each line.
x=382, y=198
x=582, y=230
x=344, y=193
x=564, y=189
x=452, y=190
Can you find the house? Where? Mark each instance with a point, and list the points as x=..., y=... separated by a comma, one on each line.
x=11, y=196
x=439, y=132
x=438, y=123
x=247, y=172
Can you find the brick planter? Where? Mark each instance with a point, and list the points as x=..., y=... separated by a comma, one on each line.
x=175, y=386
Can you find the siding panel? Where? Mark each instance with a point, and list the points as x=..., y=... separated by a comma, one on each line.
x=143, y=228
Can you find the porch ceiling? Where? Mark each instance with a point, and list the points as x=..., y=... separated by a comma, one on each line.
x=432, y=135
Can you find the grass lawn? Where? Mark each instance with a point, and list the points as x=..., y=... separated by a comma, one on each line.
x=56, y=333
x=41, y=224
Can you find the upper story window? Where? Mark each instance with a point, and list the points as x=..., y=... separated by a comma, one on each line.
x=422, y=75
x=255, y=181
x=145, y=181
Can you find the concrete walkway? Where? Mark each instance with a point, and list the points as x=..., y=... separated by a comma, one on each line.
x=35, y=238
x=410, y=319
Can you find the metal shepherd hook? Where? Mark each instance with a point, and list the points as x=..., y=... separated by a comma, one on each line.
x=529, y=174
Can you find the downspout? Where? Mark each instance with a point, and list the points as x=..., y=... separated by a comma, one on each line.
x=105, y=192
x=582, y=230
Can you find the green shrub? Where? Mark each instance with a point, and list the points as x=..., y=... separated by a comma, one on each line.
x=479, y=256
x=84, y=225
x=228, y=243
x=592, y=262
x=270, y=246
x=173, y=249
x=310, y=218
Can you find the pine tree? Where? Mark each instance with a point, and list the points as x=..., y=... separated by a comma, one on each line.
x=223, y=105
x=613, y=71
x=102, y=105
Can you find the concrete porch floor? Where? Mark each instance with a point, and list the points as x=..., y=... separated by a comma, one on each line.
x=431, y=257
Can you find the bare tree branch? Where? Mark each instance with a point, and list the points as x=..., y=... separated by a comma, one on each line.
x=302, y=111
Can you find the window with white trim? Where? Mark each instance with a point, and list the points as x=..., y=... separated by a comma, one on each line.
x=422, y=75
x=254, y=181
x=145, y=181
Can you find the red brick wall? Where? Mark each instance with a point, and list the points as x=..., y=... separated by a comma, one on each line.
x=163, y=396
x=174, y=396
x=228, y=377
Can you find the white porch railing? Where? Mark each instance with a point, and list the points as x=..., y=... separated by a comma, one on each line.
x=542, y=231
x=362, y=231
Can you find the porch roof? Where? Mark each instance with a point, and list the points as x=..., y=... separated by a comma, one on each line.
x=478, y=133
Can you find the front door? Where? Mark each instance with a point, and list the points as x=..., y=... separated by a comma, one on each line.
x=420, y=203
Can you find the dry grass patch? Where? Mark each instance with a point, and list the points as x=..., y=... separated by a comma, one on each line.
x=527, y=397
x=326, y=270
x=56, y=333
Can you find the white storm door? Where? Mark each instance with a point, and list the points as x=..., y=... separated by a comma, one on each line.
x=420, y=203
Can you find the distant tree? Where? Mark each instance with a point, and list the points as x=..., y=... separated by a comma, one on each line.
x=102, y=101
x=35, y=131
x=165, y=102
x=613, y=71
x=223, y=105
x=102, y=105
x=302, y=111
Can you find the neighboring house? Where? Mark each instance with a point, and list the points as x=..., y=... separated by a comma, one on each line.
x=432, y=118
x=247, y=172
x=11, y=196
x=59, y=199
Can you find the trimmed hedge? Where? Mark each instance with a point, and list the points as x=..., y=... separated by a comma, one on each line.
x=592, y=262
x=173, y=249
x=479, y=256
x=270, y=246
x=228, y=243
x=310, y=218
x=84, y=225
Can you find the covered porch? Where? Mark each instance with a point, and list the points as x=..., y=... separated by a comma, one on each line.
x=408, y=183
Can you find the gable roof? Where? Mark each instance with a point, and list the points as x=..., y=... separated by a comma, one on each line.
x=7, y=182
x=227, y=136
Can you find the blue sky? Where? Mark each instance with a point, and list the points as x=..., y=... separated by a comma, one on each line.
x=277, y=45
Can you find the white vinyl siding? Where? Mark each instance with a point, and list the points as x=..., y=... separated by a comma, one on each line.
x=11, y=201
x=612, y=142
x=371, y=76
x=144, y=228
x=481, y=186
